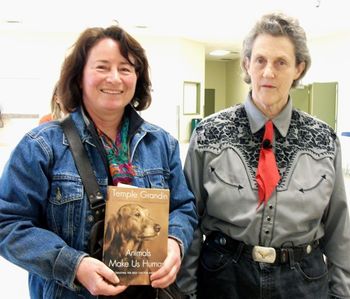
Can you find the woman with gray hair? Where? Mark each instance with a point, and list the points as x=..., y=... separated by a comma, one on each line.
x=274, y=218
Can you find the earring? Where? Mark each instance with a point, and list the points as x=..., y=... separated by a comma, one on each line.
x=135, y=102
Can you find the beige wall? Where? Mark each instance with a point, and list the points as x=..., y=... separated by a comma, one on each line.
x=193, y=71
x=215, y=78
x=173, y=61
x=331, y=63
x=226, y=79
x=236, y=88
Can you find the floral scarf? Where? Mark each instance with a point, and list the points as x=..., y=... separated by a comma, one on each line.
x=117, y=155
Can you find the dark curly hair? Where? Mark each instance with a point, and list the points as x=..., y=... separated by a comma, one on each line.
x=73, y=66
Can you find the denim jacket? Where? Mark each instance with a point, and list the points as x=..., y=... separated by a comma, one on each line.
x=45, y=216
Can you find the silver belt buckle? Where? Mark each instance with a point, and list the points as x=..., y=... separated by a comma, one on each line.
x=264, y=254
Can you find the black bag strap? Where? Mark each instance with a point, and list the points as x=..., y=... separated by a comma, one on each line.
x=83, y=164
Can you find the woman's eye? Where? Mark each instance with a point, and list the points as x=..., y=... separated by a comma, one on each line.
x=260, y=60
x=125, y=70
x=101, y=67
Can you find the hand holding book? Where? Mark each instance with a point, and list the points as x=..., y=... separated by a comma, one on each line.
x=97, y=278
x=166, y=275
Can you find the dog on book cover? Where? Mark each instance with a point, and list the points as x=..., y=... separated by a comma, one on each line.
x=127, y=234
x=127, y=248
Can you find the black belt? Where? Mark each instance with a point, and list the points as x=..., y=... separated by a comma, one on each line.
x=264, y=254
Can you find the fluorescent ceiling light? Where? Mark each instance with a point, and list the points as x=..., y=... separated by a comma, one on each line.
x=219, y=52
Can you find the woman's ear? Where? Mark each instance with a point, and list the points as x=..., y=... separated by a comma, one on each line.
x=246, y=64
x=299, y=70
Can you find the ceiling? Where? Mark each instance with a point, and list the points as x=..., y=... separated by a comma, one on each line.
x=219, y=24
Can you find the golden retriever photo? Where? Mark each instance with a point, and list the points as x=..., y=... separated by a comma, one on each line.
x=125, y=234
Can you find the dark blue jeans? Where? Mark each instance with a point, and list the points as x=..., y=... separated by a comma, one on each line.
x=234, y=275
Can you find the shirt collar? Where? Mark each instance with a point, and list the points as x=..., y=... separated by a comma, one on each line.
x=257, y=119
x=135, y=120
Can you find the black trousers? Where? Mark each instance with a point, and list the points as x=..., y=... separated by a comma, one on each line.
x=233, y=274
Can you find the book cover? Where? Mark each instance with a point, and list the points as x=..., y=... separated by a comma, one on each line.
x=136, y=232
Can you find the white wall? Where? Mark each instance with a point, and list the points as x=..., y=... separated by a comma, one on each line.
x=30, y=65
x=14, y=281
x=28, y=78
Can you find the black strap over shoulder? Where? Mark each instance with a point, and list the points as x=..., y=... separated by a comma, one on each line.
x=83, y=164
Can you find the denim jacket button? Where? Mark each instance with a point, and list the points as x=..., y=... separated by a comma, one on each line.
x=58, y=194
x=90, y=218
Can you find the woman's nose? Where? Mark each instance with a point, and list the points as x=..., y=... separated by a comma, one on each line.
x=113, y=75
x=269, y=71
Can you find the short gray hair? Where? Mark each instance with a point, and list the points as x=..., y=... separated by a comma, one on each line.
x=278, y=24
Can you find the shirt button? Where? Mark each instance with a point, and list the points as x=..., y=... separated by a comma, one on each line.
x=222, y=241
x=308, y=249
x=267, y=232
x=268, y=218
x=271, y=207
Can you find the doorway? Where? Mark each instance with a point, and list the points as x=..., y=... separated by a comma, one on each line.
x=319, y=100
x=209, y=101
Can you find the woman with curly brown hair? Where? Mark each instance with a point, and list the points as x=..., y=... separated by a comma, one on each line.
x=45, y=214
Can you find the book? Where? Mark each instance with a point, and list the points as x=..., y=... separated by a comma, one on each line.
x=136, y=232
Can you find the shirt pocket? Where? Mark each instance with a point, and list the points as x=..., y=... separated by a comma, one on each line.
x=65, y=205
x=152, y=178
x=311, y=184
x=228, y=183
